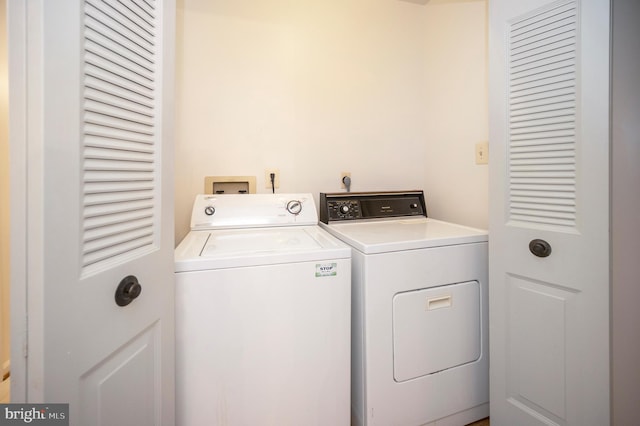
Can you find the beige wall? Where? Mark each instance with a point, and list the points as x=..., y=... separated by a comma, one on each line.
x=4, y=191
x=391, y=91
x=457, y=118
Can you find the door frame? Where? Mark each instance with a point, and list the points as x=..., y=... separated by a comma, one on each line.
x=20, y=145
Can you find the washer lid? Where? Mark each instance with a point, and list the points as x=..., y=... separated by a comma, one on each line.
x=381, y=236
x=226, y=243
x=229, y=248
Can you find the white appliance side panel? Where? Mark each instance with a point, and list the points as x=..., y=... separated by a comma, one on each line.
x=358, y=358
x=435, y=329
x=266, y=345
x=432, y=397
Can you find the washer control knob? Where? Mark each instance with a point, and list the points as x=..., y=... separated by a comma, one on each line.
x=209, y=210
x=344, y=209
x=294, y=207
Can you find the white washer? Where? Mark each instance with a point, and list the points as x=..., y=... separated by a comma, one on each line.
x=262, y=315
x=420, y=352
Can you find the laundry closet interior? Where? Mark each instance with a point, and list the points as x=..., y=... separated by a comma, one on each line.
x=392, y=93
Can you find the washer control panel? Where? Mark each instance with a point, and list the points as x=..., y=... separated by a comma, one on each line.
x=294, y=207
x=371, y=205
x=217, y=211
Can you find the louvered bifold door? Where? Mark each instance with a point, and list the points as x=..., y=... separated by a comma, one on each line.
x=542, y=118
x=120, y=136
x=93, y=108
x=548, y=215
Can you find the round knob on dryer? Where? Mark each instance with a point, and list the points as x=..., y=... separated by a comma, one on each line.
x=344, y=209
x=209, y=210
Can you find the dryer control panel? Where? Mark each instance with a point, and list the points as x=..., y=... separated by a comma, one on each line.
x=371, y=205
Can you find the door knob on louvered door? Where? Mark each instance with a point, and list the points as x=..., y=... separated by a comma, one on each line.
x=540, y=248
x=128, y=289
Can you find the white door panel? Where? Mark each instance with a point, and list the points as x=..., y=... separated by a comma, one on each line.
x=99, y=206
x=126, y=379
x=549, y=132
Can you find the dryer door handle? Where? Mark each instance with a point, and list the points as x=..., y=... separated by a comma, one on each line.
x=439, y=302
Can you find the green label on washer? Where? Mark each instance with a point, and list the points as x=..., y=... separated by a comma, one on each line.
x=326, y=269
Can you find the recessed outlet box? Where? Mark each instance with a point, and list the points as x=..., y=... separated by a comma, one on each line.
x=342, y=176
x=230, y=185
x=267, y=178
x=482, y=153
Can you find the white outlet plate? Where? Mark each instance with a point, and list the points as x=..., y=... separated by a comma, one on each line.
x=482, y=153
x=267, y=178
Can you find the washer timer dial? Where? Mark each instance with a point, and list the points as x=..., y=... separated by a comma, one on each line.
x=294, y=207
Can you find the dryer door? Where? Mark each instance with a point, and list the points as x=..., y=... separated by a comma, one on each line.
x=435, y=329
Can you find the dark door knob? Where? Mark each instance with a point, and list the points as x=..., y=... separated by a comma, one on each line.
x=540, y=248
x=128, y=289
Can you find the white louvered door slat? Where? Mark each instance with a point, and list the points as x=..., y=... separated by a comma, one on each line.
x=117, y=159
x=108, y=121
x=118, y=112
x=549, y=129
x=105, y=221
x=100, y=82
x=115, y=99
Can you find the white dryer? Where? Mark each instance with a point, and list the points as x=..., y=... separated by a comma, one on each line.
x=420, y=352
x=262, y=315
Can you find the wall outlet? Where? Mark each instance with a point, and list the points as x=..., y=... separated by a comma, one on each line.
x=342, y=176
x=482, y=153
x=267, y=178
